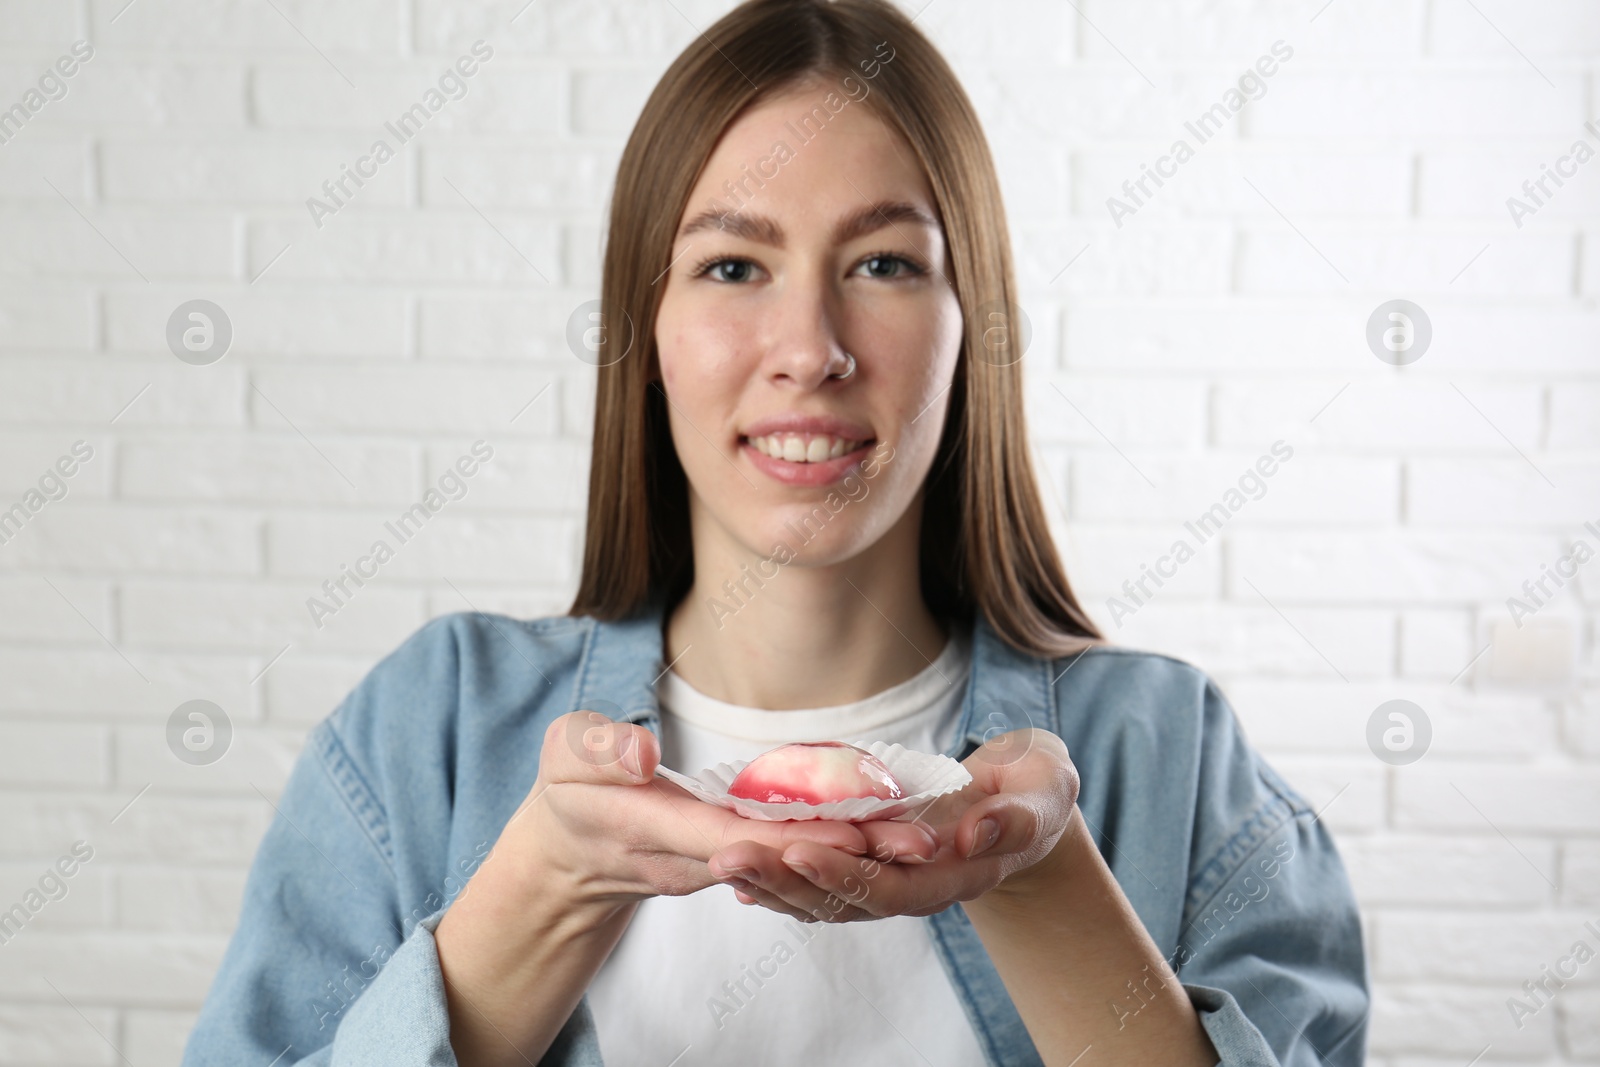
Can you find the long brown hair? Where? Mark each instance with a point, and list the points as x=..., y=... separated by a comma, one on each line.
x=999, y=558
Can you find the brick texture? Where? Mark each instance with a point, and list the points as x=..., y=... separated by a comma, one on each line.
x=1226, y=314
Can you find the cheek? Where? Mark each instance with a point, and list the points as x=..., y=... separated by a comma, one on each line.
x=701, y=376
x=929, y=364
x=926, y=348
x=694, y=347
x=670, y=346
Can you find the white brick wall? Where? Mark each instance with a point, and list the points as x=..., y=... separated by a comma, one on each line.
x=1227, y=313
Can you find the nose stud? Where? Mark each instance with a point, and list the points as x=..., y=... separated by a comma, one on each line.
x=850, y=368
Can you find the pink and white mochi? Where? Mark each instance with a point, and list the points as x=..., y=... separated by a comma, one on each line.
x=815, y=772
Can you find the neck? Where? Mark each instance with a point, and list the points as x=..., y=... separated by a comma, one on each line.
x=807, y=636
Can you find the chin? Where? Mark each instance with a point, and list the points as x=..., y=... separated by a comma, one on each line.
x=797, y=536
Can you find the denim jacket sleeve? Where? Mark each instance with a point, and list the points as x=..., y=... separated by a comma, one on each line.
x=325, y=966
x=1269, y=948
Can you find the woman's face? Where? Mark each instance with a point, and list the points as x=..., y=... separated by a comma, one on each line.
x=811, y=234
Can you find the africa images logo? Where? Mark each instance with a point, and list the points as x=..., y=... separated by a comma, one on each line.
x=1251, y=85
x=452, y=85
x=52, y=86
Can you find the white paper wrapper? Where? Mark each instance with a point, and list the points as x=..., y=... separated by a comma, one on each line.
x=922, y=777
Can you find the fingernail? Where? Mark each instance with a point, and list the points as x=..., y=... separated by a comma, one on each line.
x=804, y=870
x=628, y=752
x=742, y=872
x=988, y=832
x=737, y=883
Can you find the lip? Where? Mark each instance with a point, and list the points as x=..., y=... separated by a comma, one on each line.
x=825, y=472
x=794, y=422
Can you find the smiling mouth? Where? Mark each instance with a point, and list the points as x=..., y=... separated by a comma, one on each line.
x=804, y=447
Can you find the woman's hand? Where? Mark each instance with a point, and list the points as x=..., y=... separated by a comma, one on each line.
x=997, y=832
x=598, y=827
x=1052, y=917
x=597, y=834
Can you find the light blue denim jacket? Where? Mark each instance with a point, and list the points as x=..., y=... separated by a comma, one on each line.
x=403, y=790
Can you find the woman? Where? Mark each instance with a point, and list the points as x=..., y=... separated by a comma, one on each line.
x=811, y=516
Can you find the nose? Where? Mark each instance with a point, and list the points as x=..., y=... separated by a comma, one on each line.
x=804, y=349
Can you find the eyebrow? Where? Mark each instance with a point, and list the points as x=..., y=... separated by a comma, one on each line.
x=763, y=230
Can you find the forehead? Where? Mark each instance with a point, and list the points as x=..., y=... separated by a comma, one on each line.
x=810, y=152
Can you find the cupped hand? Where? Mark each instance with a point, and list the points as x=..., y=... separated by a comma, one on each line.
x=601, y=823
x=996, y=831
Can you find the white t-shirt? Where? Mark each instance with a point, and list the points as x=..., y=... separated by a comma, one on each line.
x=712, y=981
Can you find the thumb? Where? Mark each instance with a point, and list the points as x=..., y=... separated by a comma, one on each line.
x=585, y=746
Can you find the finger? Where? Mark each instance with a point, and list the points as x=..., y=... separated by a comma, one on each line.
x=756, y=896
x=1008, y=749
x=840, y=835
x=1031, y=755
x=585, y=746
x=1004, y=824
x=744, y=860
x=687, y=826
x=900, y=842
x=744, y=874
x=893, y=888
x=803, y=901
x=761, y=873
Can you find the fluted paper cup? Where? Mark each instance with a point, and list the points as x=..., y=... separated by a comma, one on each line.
x=923, y=777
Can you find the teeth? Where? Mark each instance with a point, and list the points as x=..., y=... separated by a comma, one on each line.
x=797, y=448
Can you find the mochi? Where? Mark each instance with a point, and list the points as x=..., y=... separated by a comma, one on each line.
x=815, y=772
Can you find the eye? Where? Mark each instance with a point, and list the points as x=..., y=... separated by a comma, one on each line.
x=733, y=270
x=885, y=265
x=726, y=269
